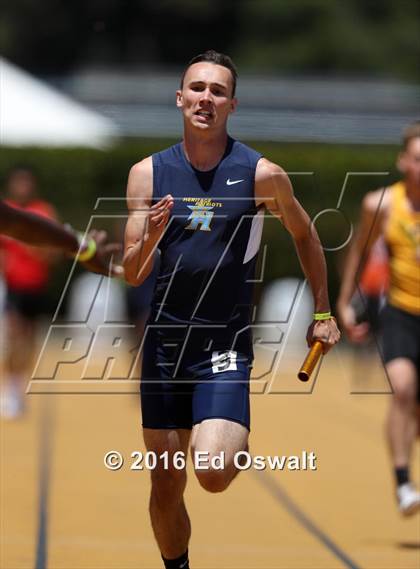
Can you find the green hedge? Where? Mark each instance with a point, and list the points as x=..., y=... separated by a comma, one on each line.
x=73, y=179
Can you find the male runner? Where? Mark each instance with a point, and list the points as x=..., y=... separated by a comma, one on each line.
x=198, y=344
x=394, y=213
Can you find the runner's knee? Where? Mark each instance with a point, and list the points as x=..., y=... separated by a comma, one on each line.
x=404, y=394
x=213, y=480
x=168, y=485
x=403, y=380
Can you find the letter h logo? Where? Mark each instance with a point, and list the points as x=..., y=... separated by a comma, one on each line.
x=200, y=217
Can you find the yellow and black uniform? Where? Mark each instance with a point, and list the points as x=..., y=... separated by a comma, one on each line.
x=402, y=236
x=401, y=317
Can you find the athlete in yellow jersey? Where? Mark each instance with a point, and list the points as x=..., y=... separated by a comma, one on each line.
x=395, y=214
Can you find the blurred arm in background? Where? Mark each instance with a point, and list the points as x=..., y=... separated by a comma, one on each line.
x=368, y=231
x=40, y=231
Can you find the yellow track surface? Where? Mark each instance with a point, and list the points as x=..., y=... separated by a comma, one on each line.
x=341, y=515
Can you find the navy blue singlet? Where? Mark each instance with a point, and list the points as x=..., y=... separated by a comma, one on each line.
x=197, y=352
x=210, y=246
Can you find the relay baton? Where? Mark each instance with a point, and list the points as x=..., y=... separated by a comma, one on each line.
x=311, y=360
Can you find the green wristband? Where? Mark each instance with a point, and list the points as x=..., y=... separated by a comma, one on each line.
x=322, y=315
x=87, y=248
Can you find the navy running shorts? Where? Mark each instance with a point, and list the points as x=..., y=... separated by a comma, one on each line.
x=181, y=388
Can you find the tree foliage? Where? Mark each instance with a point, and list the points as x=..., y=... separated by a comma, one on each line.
x=363, y=37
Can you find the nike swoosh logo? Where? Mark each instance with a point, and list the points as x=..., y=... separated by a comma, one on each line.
x=230, y=182
x=183, y=565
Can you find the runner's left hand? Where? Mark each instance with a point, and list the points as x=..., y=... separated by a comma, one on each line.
x=324, y=330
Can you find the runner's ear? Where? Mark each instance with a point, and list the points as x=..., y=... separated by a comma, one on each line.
x=179, y=99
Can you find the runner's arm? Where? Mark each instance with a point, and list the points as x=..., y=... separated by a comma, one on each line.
x=273, y=188
x=145, y=224
x=368, y=231
x=43, y=232
x=36, y=230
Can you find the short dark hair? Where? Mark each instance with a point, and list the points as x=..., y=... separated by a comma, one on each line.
x=217, y=58
x=410, y=132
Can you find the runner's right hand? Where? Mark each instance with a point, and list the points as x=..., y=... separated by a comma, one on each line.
x=160, y=213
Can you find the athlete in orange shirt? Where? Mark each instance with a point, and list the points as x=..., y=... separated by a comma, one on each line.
x=28, y=222
x=26, y=271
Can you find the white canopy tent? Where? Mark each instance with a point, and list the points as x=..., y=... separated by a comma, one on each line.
x=32, y=113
